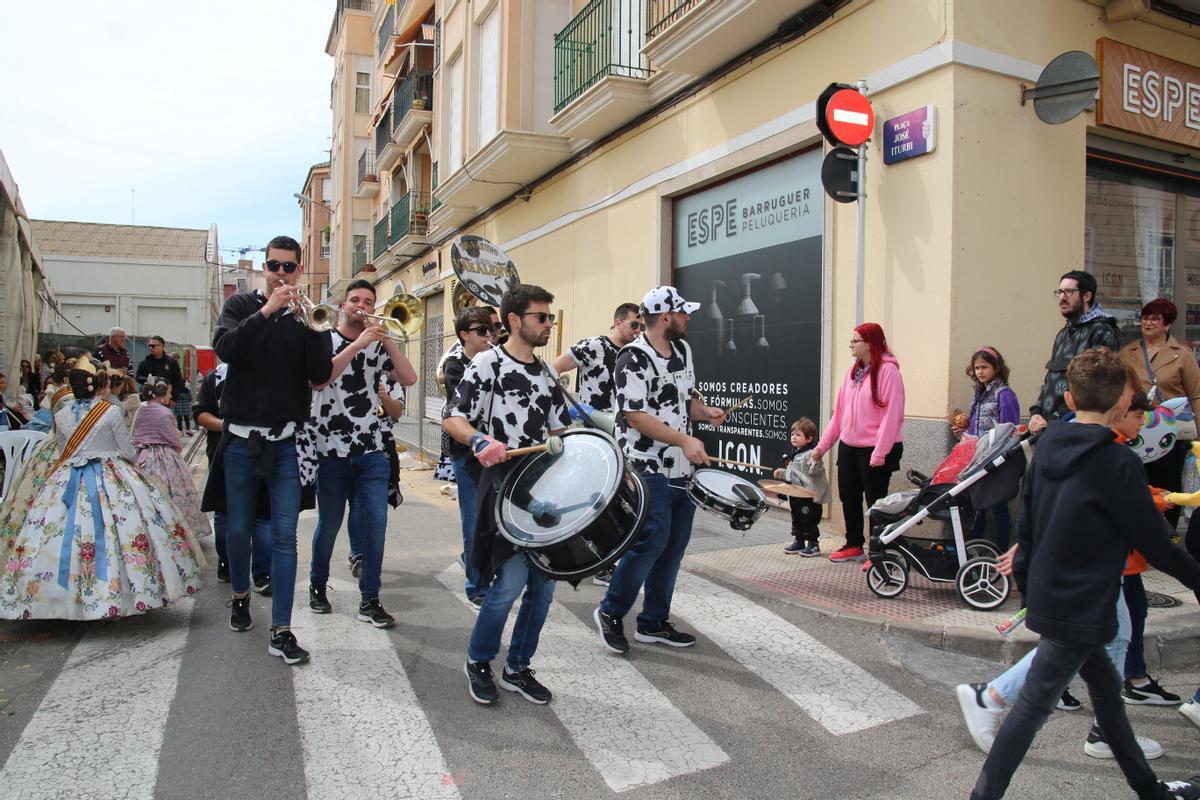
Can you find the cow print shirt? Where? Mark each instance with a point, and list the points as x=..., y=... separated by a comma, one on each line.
x=661, y=387
x=513, y=401
x=344, y=422
x=596, y=358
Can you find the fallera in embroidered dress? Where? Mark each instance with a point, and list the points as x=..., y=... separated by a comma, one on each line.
x=156, y=440
x=99, y=540
x=33, y=474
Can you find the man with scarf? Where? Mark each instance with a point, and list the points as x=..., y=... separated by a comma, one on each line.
x=1087, y=328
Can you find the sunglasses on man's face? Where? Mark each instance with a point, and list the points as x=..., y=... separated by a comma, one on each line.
x=482, y=330
x=635, y=324
x=542, y=316
x=287, y=266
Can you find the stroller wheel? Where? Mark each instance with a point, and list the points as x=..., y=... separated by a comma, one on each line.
x=981, y=548
x=981, y=585
x=887, y=575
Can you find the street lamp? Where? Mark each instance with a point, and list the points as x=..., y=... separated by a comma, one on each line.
x=314, y=201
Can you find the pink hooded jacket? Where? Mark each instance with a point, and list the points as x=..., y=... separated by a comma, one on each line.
x=858, y=422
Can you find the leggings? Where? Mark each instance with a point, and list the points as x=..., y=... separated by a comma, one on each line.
x=857, y=478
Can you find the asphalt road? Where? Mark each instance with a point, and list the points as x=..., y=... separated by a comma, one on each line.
x=773, y=702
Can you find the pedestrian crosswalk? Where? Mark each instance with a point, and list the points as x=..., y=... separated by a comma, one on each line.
x=367, y=729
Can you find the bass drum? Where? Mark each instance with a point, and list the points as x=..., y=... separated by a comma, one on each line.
x=575, y=513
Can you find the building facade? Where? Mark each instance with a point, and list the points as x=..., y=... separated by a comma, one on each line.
x=316, y=232
x=610, y=145
x=150, y=281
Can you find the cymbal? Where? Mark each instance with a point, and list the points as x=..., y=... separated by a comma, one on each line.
x=786, y=489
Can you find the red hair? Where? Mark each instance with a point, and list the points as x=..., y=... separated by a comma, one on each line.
x=1161, y=307
x=872, y=334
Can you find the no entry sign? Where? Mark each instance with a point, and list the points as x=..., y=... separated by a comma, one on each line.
x=849, y=117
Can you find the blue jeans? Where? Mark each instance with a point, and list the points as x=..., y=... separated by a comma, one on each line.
x=362, y=481
x=1003, y=525
x=241, y=504
x=1054, y=665
x=468, y=498
x=260, y=556
x=513, y=576
x=654, y=560
x=1135, y=598
x=1008, y=685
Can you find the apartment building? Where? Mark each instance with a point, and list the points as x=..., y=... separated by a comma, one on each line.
x=316, y=230
x=598, y=141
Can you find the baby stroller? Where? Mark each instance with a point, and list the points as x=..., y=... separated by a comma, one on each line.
x=978, y=473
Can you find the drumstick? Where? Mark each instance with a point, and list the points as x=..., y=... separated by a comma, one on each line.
x=739, y=463
x=738, y=404
x=553, y=445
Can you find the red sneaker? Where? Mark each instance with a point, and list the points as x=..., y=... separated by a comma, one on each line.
x=847, y=553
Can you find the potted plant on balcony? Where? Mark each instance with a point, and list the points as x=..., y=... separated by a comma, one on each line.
x=418, y=104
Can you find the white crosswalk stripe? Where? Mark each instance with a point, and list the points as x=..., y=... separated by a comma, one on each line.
x=361, y=726
x=597, y=694
x=99, y=729
x=840, y=695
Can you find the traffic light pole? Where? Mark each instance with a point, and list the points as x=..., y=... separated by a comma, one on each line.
x=860, y=266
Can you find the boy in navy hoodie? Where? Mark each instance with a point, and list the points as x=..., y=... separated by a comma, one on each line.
x=1084, y=506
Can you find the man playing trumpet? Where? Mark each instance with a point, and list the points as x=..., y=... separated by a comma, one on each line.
x=506, y=400
x=353, y=465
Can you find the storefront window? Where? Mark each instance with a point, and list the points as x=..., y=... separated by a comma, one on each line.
x=1129, y=242
x=1191, y=265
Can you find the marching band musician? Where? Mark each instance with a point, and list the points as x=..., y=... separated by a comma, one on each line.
x=274, y=359
x=596, y=357
x=507, y=399
x=353, y=465
x=655, y=376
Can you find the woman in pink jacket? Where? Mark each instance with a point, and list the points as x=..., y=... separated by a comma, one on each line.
x=867, y=424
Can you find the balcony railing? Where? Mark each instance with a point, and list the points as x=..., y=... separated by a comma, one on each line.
x=381, y=238
x=604, y=39
x=661, y=14
x=366, y=167
x=434, y=203
x=360, y=253
x=350, y=5
x=383, y=131
x=386, y=29
x=417, y=87
x=409, y=217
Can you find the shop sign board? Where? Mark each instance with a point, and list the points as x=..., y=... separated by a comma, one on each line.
x=1149, y=94
x=910, y=135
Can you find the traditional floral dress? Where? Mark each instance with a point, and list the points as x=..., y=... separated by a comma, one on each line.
x=99, y=540
x=156, y=440
x=33, y=472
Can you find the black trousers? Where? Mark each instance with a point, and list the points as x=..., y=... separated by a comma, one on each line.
x=858, y=479
x=1053, y=667
x=806, y=516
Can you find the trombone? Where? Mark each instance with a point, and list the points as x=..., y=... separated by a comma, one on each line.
x=401, y=318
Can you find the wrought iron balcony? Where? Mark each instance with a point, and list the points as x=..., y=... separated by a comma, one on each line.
x=360, y=253
x=386, y=30
x=604, y=39
x=415, y=92
x=409, y=217
x=661, y=14
x=383, y=131
x=366, y=167
x=380, y=239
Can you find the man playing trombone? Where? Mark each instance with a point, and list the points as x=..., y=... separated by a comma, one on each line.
x=353, y=465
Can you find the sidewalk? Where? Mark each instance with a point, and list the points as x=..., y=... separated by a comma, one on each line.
x=932, y=614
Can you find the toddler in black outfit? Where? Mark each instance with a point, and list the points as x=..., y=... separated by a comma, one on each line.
x=799, y=467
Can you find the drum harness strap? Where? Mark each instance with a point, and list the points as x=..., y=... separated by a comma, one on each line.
x=686, y=354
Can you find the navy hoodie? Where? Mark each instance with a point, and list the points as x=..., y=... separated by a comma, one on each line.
x=1084, y=506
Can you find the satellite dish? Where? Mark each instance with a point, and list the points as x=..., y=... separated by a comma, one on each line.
x=482, y=268
x=1067, y=86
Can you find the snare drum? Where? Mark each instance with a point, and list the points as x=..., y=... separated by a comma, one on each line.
x=575, y=513
x=728, y=496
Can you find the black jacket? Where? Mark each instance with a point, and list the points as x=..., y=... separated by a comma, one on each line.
x=1085, y=505
x=208, y=399
x=271, y=362
x=1070, y=341
x=166, y=368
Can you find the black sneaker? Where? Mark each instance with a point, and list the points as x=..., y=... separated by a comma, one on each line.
x=794, y=547
x=284, y=645
x=603, y=577
x=356, y=565
x=665, y=634
x=222, y=572
x=262, y=585
x=480, y=683
x=1149, y=695
x=371, y=611
x=239, y=617
x=525, y=685
x=611, y=634
x=1068, y=701
x=1181, y=790
x=317, y=600
x=475, y=602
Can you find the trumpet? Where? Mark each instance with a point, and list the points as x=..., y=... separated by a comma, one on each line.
x=320, y=317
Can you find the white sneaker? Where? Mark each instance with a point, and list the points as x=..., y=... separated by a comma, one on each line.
x=1191, y=710
x=1096, y=747
x=982, y=722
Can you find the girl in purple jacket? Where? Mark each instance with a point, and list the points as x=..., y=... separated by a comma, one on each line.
x=994, y=403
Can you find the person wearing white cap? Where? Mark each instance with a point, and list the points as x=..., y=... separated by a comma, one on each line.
x=655, y=382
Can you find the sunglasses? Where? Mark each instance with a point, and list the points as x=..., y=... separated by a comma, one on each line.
x=482, y=331
x=634, y=324
x=542, y=316
x=287, y=266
